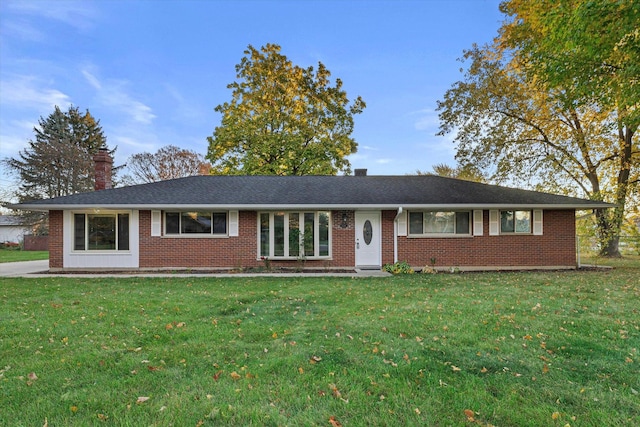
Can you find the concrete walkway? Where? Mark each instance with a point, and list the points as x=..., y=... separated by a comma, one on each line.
x=35, y=269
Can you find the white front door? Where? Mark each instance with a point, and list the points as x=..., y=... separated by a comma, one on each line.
x=368, y=239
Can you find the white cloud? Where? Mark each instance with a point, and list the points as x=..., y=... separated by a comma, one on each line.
x=113, y=94
x=30, y=92
x=427, y=120
x=80, y=15
x=383, y=161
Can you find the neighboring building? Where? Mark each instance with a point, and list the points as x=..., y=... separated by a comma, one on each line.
x=12, y=229
x=214, y=222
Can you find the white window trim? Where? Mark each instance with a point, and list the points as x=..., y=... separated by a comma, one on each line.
x=453, y=235
x=181, y=235
x=316, y=232
x=86, y=249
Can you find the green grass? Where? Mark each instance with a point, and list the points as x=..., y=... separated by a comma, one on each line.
x=16, y=255
x=507, y=349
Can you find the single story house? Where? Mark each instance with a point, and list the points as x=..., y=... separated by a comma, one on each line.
x=226, y=222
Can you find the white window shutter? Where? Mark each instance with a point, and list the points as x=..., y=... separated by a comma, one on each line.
x=537, y=222
x=478, y=227
x=494, y=223
x=156, y=223
x=233, y=224
x=402, y=223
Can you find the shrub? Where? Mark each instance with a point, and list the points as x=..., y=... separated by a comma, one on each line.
x=402, y=267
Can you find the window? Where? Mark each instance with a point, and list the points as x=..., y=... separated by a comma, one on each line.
x=436, y=223
x=515, y=221
x=101, y=232
x=195, y=223
x=294, y=234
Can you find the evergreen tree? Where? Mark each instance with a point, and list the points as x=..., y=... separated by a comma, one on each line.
x=59, y=160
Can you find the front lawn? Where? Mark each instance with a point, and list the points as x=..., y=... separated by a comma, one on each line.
x=17, y=254
x=506, y=349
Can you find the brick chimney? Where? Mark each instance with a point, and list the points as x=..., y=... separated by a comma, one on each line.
x=360, y=172
x=103, y=164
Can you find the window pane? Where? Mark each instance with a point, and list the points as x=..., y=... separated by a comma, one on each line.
x=123, y=232
x=294, y=234
x=506, y=221
x=309, y=230
x=264, y=234
x=323, y=231
x=102, y=232
x=439, y=222
x=278, y=234
x=462, y=222
x=415, y=222
x=196, y=222
x=172, y=223
x=523, y=221
x=219, y=223
x=79, y=233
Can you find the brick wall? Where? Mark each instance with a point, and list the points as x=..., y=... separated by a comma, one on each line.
x=233, y=252
x=556, y=247
x=55, y=239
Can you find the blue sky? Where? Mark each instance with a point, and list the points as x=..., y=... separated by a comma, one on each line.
x=152, y=72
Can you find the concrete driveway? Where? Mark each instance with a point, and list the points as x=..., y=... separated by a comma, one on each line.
x=17, y=269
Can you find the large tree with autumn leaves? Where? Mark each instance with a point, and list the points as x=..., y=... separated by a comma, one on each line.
x=283, y=119
x=554, y=102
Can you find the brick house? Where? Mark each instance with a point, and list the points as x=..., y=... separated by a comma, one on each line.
x=226, y=222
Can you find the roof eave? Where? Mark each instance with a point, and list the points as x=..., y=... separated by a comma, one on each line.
x=313, y=206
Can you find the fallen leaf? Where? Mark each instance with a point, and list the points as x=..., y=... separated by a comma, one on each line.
x=469, y=414
x=181, y=325
x=235, y=375
x=335, y=391
x=32, y=376
x=46, y=423
x=300, y=370
x=168, y=326
x=555, y=415
x=545, y=369
x=216, y=376
x=455, y=368
x=484, y=370
x=315, y=359
x=153, y=368
x=103, y=417
x=142, y=399
x=334, y=422
x=74, y=409
x=417, y=411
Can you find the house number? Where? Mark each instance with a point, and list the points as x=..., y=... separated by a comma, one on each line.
x=367, y=232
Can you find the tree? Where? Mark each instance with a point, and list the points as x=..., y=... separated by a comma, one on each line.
x=592, y=51
x=467, y=172
x=516, y=121
x=283, y=120
x=59, y=161
x=167, y=163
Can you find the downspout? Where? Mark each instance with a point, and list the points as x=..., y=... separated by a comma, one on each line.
x=395, y=235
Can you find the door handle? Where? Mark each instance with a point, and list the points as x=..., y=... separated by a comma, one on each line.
x=357, y=243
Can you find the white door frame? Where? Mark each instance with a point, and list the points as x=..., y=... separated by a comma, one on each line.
x=368, y=255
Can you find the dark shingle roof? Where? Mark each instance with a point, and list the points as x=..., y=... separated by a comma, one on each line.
x=311, y=191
